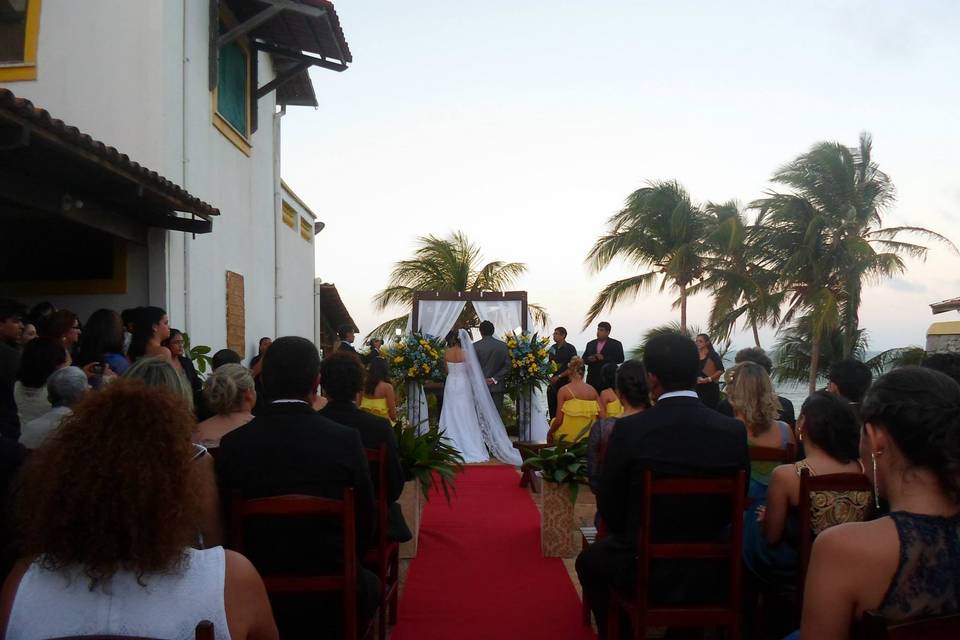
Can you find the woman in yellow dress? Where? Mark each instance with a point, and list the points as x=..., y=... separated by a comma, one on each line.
x=608, y=397
x=578, y=406
x=378, y=396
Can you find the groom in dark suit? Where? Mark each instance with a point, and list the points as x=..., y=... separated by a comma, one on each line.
x=599, y=352
x=679, y=436
x=494, y=359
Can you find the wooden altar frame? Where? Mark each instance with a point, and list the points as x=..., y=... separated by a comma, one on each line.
x=468, y=296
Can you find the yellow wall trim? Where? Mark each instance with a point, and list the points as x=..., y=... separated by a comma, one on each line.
x=306, y=230
x=289, y=215
x=231, y=134
x=240, y=139
x=944, y=328
x=115, y=285
x=28, y=69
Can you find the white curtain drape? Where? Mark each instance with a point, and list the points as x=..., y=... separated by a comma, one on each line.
x=506, y=316
x=436, y=318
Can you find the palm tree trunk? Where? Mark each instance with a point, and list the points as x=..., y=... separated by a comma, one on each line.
x=756, y=334
x=683, y=309
x=814, y=362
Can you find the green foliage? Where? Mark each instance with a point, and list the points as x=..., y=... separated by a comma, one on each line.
x=428, y=458
x=563, y=463
x=673, y=328
x=660, y=231
x=898, y=357
x=446, y=264
x=198, y=354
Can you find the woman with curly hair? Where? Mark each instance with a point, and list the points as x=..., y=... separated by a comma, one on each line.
x=754, y=403
x=106, y=513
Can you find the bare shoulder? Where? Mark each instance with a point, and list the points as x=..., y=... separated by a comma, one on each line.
x=854, y=543
x=785, y=475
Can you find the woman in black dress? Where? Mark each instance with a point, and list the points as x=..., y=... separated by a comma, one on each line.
x=711, y=368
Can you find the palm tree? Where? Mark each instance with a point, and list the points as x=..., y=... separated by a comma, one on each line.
x=446, y=264
x=660, y=231
x=793, y=352
x=742, y=286
x=827, y=239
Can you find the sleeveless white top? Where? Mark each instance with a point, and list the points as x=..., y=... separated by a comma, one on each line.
x=52, y=604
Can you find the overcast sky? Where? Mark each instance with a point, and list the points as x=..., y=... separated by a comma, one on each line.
x=526, y=124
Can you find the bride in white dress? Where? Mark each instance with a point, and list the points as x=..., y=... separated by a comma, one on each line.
x=469, y=417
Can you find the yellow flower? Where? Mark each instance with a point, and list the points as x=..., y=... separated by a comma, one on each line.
x=412, y=372
x=398, y=359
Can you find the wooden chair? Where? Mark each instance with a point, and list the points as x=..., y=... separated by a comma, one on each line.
x=834, y=482
x=526, y=448
x=385, y=557
x=299, y=506
x=876, y=627
x=774, y=454
x=637, y=605
x=204, y=631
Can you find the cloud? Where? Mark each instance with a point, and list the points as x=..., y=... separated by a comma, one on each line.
x=904, y=286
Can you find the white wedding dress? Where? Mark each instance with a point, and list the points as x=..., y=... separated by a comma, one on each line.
x=469, y=418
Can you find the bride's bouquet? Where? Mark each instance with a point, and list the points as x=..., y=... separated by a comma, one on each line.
x=530, y=365
x=416, y=356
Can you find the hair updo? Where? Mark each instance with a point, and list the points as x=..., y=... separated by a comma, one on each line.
x=225, y=387
x=831, y=424
x=920, y=409
x=631, y=384
x=576, y=365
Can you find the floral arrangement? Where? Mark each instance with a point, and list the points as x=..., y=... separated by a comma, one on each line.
x=417, y=356
x=530, y=365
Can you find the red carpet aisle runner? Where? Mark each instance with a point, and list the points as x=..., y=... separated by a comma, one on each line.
x=479, y=573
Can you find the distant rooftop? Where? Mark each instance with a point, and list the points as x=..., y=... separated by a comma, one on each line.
x=952, y=304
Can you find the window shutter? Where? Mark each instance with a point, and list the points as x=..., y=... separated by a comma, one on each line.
x=231, y=87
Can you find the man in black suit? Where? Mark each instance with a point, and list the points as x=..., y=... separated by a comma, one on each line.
x=346, y=334
x=760, y=357
x=288, y=449
x=494, y=360
x=679, y=436
x=561, y=353
x=599, y=352
x=341, y=375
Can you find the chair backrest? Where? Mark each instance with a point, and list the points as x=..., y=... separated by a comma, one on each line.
x=299, y=506
x=847, y=495
x=774, y=454
x=875, y=627
x=204, y=631
x=378, y=457
x=732, y=487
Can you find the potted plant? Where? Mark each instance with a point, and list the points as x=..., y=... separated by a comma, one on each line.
x=563, y=468
x=429, y=461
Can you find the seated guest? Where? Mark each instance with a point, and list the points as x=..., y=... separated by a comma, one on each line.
x=341, y=375
x=759, y=356
x=150, y=328
x=849, y=379
x=608, y=397
x=64, y=325
x=176, y=343
x=290, y=448
x=105, y=541
x=677, y=436
x=102, y=341
x=29, y=333
x=948, y=363
x=225, y=356
x=65, y=388
x=262, y=347
x=159, y=372
x=831, y=436
x=579, y=405
x=229, y=393
x=755, y=404
x=378, y=395
x=39, y=316
x=633, y=395
x=41, y=357
x=11, y=330
x=905, y=565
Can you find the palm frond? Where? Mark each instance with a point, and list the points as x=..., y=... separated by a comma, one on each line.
x=616, y=291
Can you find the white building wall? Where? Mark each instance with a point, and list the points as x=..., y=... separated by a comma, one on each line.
x=295, y=276
x=134, y=74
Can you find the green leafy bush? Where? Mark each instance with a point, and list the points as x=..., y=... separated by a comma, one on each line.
x=428, y=458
